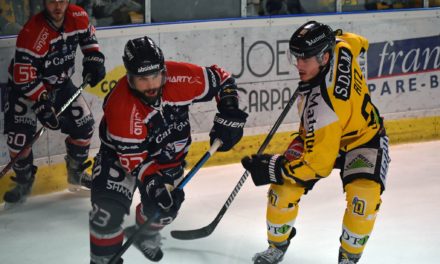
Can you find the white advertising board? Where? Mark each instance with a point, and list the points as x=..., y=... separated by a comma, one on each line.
x=403, y=64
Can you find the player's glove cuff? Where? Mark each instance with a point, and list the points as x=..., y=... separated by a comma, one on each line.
x=265, y=168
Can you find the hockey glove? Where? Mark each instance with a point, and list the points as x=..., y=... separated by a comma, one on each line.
x=160, y=199
x=93, y=65
x=265, y=168
x=45, y=112
x=228, y=127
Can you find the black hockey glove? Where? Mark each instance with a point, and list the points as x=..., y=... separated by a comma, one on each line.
x=265, y=168
x=160, y=199
x=230, y=120
x=93, y=65
x=228, y=127
x=45, y=112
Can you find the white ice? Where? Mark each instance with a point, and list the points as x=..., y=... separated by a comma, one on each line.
x=54, y=228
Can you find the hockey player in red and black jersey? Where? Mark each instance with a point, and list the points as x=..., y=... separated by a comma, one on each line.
x=145, y=136
x=39, y=84
x=340, y=128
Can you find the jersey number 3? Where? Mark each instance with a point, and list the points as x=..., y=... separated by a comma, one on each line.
x=369, y=111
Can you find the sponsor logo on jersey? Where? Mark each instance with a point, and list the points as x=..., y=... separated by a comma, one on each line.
x=136, y=122
x=313, y=41
x=116, y=187
x=184, y=79
x=84, y=120
x=309, y=115
x=343, y=74
x=123, y=148
x=79, y=14
x=118, y=183
x=173, y=127
x=148, y=68
x=24, y=120
x=60, y=60
x=41, y=39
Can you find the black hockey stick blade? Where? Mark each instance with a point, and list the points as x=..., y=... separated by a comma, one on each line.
x=201, y=232
x=193, y=234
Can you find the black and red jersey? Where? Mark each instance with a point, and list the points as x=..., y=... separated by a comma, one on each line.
x=147, y=139
x=45, y=56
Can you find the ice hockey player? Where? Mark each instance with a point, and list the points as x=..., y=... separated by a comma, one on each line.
x=337, y=117
x=39, y=84
x=145, y=135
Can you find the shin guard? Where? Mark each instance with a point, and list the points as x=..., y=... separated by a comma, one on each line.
x=363, y=202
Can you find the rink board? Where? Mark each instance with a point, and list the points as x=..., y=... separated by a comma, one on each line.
x=402, y=68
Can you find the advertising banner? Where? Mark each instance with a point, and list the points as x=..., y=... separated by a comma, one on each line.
x=402, y=64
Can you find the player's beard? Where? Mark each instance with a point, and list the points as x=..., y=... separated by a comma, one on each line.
x=150, y=97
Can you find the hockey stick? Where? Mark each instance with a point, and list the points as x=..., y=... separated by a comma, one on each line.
x=215, y=145
x=41, y=131
x=207, y=230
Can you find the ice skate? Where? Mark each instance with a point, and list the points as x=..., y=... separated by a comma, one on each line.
x=21, y=191
x=272, y=255
x=77, y=177
x=347, y=258
x=148, y=243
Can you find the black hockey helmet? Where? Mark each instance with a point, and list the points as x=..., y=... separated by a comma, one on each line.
x=143, y=57
x=312, y=39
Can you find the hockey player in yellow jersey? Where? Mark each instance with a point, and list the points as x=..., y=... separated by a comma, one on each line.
x=340, y=128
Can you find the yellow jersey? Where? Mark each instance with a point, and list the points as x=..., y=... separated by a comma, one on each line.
x=336, y=111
